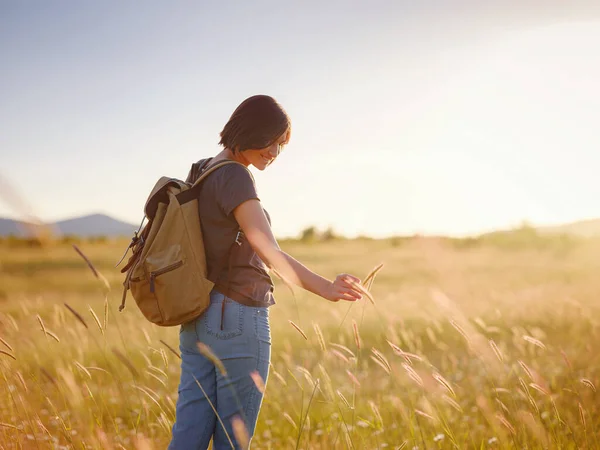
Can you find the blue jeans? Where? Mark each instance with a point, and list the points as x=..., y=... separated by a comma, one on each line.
x=244, y=346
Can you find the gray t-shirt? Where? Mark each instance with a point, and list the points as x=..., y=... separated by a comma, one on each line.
x=221, y=192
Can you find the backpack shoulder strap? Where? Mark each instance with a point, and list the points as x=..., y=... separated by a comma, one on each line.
x=208, y=168
x=192, y=193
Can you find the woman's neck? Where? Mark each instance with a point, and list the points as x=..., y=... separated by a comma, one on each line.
x=228, y=154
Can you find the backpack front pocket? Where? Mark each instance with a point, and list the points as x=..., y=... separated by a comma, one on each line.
x=145, y=299
x=179, y=290
x=149, y=292
x=162, y=271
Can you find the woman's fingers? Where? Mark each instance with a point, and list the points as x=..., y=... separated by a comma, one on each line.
x=352, y=286
x=347, y=287
x=347, y=297
x=351, y=278
x=350, y=293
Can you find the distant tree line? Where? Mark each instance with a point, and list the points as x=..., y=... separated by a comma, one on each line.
x=312, y=234
x=518, y=238
x=13, y=241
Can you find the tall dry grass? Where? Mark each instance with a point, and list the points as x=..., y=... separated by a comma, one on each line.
x=461, y=347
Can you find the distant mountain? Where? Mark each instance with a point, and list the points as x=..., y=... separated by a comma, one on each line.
x=583, y=228
x=9, y=226
x=85, y=226
x=95, y=225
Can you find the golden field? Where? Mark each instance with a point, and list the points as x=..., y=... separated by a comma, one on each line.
x=481, y=343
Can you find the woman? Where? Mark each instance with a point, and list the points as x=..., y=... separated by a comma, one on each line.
x=236, y=325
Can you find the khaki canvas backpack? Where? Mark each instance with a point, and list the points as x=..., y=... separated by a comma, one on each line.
x=167, y=272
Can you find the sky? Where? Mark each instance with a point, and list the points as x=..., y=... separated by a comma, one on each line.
x=433, y=117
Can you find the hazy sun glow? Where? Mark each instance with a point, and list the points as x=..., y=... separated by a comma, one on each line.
x=405, y=119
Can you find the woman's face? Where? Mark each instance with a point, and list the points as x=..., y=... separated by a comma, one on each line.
x=264, y=157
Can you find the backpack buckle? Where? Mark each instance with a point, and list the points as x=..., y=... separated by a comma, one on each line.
x=238, y=236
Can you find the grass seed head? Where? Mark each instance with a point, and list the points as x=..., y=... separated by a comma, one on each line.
x=208, y=353
x=506, y=424
x=339, y=355
x=291, y=421
x=535, y=342
x=356, y=334
x=157, y=378
x=368, y=281
x=240, y=432
x=413, y=374
x=526, y=370
x=539, y=388
x=353, y=378
x=424, y=414
x=77, y=315
x=384, y=362
x=441, y=380
x=588, y=383
x=105, y=311
x=496, y=350
x=458, y=328
x=452, y=403
x=582, y=415
x=83, y=369
x=258, y=381
x=126, y=362
x=320, y=338
x=96, y=319
x=52, y=335
x=8, y=354
x=21, y=380
x=6, y=344
x=344, y=349
x=376, y=412
x=96, y=273
x=171, y=349
x=566, y=359
x=502, y=405
x=341, y=396
x=298, y=329
x=41, y=322
x=280, y=378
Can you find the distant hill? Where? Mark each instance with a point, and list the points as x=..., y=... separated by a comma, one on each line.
x=85, y=226
x=583, y=228
x=10, y=227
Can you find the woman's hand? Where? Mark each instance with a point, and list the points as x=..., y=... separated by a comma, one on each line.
x=343, y=288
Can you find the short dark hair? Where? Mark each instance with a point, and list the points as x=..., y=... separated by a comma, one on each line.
x=256, y=123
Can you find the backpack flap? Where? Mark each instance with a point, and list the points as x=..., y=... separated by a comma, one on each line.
x=159, y=194
x=196, y=170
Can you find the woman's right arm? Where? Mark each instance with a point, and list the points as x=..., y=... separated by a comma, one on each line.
x=253, y=222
